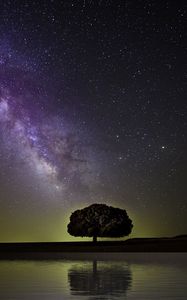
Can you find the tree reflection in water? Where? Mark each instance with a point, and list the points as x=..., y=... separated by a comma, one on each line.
x=100, y=279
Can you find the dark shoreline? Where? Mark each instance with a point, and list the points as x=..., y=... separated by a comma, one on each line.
x=45, y=249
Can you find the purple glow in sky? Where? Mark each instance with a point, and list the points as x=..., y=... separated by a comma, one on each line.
x=58, y=158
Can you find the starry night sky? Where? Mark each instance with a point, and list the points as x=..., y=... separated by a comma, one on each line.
x=92, y=109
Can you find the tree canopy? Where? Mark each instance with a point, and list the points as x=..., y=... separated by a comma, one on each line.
x=100, y=220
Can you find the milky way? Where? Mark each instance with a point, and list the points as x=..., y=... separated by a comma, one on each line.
x=56, y=154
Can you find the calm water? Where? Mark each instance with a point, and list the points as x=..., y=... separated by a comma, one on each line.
x=96, y=276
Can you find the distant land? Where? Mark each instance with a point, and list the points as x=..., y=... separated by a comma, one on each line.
x=51, y=249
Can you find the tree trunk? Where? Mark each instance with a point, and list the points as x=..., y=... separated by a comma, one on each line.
x=94, y=239
x=94, y=268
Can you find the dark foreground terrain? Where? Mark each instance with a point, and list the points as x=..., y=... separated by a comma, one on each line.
x=16, y=250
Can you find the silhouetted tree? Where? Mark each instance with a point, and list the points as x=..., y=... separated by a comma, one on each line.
x=100, y=220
